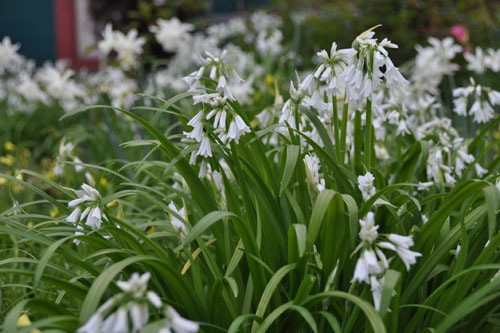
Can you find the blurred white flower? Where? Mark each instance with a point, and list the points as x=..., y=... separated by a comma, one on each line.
x=268, y=43
x=128, y=47
x=312, y=171
x=179, y=324
x=481, y=98
x=87, y=206
x=366, y=266
x=137, y=284
x=368, y=232
x=129, y=307
x=178, y=218
x=492, y=60
x=376, y=289
x=8, y=54
x=58, y=81
x=373, y=262
x=366, y=186
x=433, y=62
x=171, y=33
x=476, y=62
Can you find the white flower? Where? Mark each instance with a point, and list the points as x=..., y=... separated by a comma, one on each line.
x=8, y=54
x=376, y=289
x=365, y=185
x=86, y=194
x=171, y=33
x=94, y=219
x=74, y=217
x=312, y=172
x=237, y=128
x=480, y=171
x=476, y=62
x=92, y=325
x=268, y=43
x=178, y=323
x=402, y=244
x=368, y=232
x=95, y=322
x=137, y=284
x=128, y=47
x=205, y=149
x=177, y=223
x=154, y=299
x=366, y=265
x=492, y=60
x=139, y=313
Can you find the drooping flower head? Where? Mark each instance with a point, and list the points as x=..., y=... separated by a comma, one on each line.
x=128, y=311
x=373, y=262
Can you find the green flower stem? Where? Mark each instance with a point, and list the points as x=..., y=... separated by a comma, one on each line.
x=343, y=132
x=336, y=129
x=368, y=135
x=358, y=142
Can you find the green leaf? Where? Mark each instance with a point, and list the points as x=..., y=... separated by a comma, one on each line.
x=487, y=293
x=371, y=314
x=271, y=287
x=317, y=217
x=297, y=234
x=205, y=223
x=391, y=278
x=292, y=156
x=492, y=197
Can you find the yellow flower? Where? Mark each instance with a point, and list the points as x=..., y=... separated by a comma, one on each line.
x=112, y=204
x=24, y=321
x=269, y=79
x=9, y=146
x=54, y=212
x=8, y=160
x=103, y=181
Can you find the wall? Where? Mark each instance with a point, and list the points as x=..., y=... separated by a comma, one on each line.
x=30, y=23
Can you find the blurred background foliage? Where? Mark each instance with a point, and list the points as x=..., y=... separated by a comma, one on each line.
x=407, y=22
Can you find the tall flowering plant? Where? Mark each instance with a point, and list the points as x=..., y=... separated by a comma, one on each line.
x=347, y=203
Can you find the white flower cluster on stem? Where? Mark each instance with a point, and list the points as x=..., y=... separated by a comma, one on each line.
x=218, y=117
x=86, y=207
x=373, y=262
x=131, y=308
x=477, y=101
x=128, y=47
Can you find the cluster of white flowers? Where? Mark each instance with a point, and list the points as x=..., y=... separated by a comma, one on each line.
x=59, y=84
x=131, y=306
x=448, y=155
x=120, y=88
x=223, y=31
x=128, y=47
x=313, y=173
x=363, y=77
x=476, y=101
x=227, y=124
x=373, y=262
x=433, y=62
x=87, y=206
x=480, y=61
x=347, y=78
